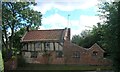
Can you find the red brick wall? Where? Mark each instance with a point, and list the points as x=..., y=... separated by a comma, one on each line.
x=51, y=59
x=86, y=57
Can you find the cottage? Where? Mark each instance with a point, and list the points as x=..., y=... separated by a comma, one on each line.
x=54, y=47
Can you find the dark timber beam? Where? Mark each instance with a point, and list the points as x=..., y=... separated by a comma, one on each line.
x=34, y=46
x=27, y=46
x=54, y=45
x=44, y=47
x=60, y=44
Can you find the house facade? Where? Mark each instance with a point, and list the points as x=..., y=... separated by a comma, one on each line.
x=54, y=47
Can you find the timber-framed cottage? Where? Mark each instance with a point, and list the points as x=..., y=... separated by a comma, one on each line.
x=54, y=47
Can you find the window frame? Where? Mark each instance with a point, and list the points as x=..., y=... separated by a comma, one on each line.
x=37, y=44
x=95, y=53
x=59, y=54
x=25, y=46
x=34, y=54
x=47, y=46
x=76, y=54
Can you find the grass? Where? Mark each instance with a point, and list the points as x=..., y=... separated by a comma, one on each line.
x=64, y=67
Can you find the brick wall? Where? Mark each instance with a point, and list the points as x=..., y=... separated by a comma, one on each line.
x=46, y=59
x=86, y=55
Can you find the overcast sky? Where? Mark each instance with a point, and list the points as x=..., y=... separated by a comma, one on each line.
x=83, y=14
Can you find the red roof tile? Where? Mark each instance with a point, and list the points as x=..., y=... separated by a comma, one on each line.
x=43, y=35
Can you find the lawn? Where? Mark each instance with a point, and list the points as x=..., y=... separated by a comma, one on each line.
x=63, y=67
x=1, y=62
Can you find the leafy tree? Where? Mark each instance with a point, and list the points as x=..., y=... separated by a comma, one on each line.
x=111, y=14
x=88, y=37
x=106, y=33
x=17, y=37
x=76, y=39
x=16, y=15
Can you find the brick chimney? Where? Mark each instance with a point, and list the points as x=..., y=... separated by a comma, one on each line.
x=67, y=34
x=28, y=28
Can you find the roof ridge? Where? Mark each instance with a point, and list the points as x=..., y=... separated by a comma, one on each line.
x=48, y=30
x=76, y=45
x=95, y=44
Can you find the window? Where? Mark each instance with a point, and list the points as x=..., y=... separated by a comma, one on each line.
x=95, y=53
x=37, y=45
x=56, y=46
x=25, y=47
x=76, y=54
x=32, y=47
x=47, y=46
x=29, y=46
x=59, y=54
x=34, y=54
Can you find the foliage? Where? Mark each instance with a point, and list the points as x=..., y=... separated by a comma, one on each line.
x=17, y=37
x=76, y=39
x=5, y=55
x=106, y=33
x=1, y=62
x=87, y=38
x=111, y=35
x=17, y=15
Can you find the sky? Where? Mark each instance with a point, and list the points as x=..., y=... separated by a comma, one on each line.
x=78, y=15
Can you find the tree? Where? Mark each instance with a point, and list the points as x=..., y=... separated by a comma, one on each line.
x=76, y=39
x=106, y=33
x=16, y=15
x=17, y=37
x=89, y=37
x=111, y=14
x=116, y=57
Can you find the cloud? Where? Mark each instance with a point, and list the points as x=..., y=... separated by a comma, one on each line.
x=88, y=21
x=57, y=21
x=85, y=22
x=64, y=5
x=41, y=28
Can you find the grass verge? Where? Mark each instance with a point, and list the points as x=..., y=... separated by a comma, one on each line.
x=64, y=67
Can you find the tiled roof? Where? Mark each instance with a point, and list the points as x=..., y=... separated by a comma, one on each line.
x=43, y=35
